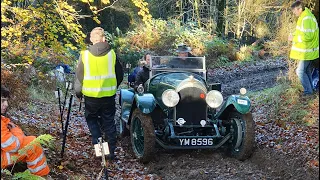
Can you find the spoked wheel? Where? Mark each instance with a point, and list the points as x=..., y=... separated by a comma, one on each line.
x=242, y=129
x=142, y=136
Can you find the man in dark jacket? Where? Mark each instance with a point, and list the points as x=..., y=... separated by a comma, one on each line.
x=143, y=75
x=182, y=61
x=98, y=75
x=132, y=76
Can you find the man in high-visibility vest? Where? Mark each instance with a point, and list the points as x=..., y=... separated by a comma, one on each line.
x=305, y=44
x=99, y=74
x=13, y=139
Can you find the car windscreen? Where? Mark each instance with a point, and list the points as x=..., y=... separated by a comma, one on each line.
x=171, y=62
x=160, y=64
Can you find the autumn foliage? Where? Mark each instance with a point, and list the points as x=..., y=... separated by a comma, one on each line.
x=16, y=86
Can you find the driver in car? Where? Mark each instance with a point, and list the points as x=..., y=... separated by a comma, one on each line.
x=183, y=62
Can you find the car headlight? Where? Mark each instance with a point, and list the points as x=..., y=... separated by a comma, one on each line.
x=214, y=99
x=140, y=89
x=243, y=91
x=170, y=98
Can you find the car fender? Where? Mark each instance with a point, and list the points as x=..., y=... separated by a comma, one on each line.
x=126, y=103
x=145, y=102
x=239, y=103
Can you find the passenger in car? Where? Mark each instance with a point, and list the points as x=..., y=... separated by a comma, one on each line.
x=143, y=75
x=133, y=74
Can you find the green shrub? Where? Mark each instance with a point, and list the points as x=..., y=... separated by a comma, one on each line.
x=41, y=93
x=130, y=56
x=216, y=47
x=162, y=37
x=26, y=175
x=245, y=53
x=42, y=65
x=218, y=62
x=219, y=52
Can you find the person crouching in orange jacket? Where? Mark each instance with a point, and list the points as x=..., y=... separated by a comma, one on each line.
x=13, y=139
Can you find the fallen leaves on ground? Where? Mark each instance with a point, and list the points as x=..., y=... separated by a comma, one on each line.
x=287, y=136
x=79, y=161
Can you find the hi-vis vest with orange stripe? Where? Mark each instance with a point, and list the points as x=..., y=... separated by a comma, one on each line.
x=305, y=44
x=99, y=75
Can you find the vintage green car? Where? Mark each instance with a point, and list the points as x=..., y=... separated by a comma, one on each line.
x=177, y=109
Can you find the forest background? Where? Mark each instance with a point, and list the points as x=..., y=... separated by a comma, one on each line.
x=38, y=35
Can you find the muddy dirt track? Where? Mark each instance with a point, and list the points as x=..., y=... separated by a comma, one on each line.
x=206, y=164
x=265, y=163
x=252, y=76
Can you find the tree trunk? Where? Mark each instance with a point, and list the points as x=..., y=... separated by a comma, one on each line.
x=226, y=13
x=241, y=17
x=196, y=6
x=221, y=17
x=239, y=20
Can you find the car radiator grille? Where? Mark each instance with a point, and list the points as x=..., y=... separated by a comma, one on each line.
x=191, y=107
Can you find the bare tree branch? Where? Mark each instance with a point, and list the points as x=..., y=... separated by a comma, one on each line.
x=107, y=6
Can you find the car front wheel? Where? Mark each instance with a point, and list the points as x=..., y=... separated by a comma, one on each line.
x=142, y=136
x=242, y=129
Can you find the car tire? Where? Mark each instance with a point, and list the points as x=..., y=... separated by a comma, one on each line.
x=142, y=136
x=243, y=136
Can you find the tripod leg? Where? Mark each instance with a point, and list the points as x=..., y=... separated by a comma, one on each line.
x=106, y=173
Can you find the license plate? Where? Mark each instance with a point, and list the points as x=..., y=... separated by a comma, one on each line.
x=243, y=102
x=196, y=142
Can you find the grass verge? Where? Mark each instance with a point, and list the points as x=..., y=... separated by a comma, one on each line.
x=289, y=105
x=38, y=93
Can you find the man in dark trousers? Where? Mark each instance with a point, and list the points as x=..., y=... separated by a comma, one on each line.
x=98, y=75
x=305, y=44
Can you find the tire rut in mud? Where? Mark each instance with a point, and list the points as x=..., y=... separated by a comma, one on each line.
x=252, y=76
x=208, y=164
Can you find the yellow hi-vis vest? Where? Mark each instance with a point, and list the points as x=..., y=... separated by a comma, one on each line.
x=99, y=75
x=305, y=44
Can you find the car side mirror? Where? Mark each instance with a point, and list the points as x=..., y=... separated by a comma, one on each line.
x=215, y=86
